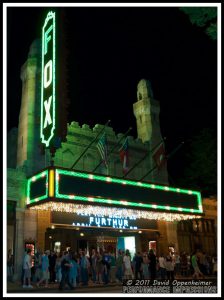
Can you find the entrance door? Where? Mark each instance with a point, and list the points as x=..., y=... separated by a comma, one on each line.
x=127, y=243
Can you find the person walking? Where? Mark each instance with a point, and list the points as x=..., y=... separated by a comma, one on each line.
x=58, y=267
x=27, y=265
x=106, y=267
x=112, y=276
x=65, y=269
x=177, y=264
x=169, y=264
x=84, y=264
x=145, y=266
x=9, y=265
x=184, y=264
x=162, y=267
x=138, y=265
x=99, y=268
x=52, y=260
x=44, y=269
x=93, y=263
x=152, y=264
x=194, y=261
x=214, y=264
x=37, y=263
x=119, y=266
x=73, y=272
x=128, y=274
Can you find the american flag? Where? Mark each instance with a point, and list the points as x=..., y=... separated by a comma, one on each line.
x=102, y=147
x=159, y=156
x=124, y=156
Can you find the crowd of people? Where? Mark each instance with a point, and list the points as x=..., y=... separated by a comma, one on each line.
x=101, y=267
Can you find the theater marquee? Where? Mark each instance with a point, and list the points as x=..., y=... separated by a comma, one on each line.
x=65, y=186
x=98, y=220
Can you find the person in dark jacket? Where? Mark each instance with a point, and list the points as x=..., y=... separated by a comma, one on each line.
x=52, y=261
x=152, y=264
x=65, y=270
x=138, y=264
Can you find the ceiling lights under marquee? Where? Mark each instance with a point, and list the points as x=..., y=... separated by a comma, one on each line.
x=112, y=211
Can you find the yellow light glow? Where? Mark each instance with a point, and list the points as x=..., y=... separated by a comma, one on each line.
x=124, y=202
x=51, y=183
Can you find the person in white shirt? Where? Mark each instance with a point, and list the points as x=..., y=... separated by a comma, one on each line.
x=169, y=263
x=162, y=267
x=128, y=274
x=27, y=265
x=177, y=263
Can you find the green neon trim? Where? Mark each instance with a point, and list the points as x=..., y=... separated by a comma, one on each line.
x=124, y=203
x=51, y=15
x=33, y=179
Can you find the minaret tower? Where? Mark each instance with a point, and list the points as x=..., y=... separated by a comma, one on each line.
x=146, y=111
x=142, y=111
x=28, y=153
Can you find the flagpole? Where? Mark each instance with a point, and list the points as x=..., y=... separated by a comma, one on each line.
x=175, y=150
x=90, y=144
x=142, y=158
x=130, y=128
x=168, y=157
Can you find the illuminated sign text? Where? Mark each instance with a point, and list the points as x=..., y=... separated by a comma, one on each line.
x=47, y=128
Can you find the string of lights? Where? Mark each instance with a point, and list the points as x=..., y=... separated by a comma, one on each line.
x=108, y=211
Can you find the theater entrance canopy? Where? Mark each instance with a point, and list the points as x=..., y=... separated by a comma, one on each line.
x=64, y=190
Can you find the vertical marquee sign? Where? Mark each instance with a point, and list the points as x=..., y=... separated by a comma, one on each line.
x=47, y=128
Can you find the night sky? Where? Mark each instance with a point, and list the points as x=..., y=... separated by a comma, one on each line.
x=110, y=50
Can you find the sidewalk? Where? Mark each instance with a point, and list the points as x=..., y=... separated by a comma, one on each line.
x=16, y=287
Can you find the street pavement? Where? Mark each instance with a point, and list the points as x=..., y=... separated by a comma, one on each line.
x=16, y=287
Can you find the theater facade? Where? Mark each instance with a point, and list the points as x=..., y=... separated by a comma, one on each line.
x=54, y=204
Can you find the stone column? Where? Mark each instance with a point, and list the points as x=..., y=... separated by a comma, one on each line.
x=43, y=222
x=162, y=240
x=19, y=244
x=30, y=225
x=172, y=235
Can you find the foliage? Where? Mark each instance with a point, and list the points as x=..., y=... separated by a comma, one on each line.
x=205, y=17
x=201, y=163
